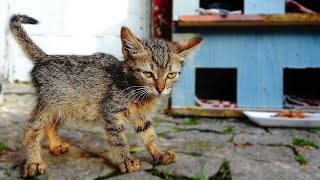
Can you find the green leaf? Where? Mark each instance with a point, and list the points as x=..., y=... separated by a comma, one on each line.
x=2, y=147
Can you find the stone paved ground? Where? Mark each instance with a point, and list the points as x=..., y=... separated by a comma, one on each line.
x=206, y=148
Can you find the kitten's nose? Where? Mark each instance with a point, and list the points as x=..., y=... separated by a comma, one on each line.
x=159, y=90
x=160, y=86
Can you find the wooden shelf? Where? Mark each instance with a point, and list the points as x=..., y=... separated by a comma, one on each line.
x=249, y=20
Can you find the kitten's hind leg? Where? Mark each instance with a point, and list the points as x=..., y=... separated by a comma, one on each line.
x=32, y=162
x=55, y=145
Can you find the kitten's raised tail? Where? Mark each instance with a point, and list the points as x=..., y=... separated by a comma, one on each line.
x=30, y=48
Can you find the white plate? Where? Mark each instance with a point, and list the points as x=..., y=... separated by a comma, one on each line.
x=266, y=119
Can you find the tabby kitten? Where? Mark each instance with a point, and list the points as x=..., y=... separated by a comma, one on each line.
x=99, y=88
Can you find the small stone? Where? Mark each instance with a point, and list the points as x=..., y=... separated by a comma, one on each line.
x=262, y=139
x=266, y=154
x=249, y=169
x=191, y=167
x=313, y=158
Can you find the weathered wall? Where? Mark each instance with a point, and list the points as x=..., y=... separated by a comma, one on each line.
x=71, y=27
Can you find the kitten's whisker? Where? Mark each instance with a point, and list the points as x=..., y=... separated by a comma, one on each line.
x=136, y=94
x=145, y=97
x=129, y=95
x=141, y=95
x=128, y=88
x=145, y=94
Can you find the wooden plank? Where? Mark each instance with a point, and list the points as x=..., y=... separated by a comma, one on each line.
x=219, y=112
x=249, y=20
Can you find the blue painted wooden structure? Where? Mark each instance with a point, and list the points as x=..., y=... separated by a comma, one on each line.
x=264, y=6
x=259, y=57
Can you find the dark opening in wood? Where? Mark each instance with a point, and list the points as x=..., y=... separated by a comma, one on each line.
x=302, y=83
x=216, y=83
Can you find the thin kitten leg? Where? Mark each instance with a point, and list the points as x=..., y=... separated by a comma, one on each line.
x=55, y=144
x=146, y=133
x=31, y=148
x=119, y=147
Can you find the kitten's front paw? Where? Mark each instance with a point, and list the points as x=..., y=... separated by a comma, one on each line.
x=61, y=149
x=130, y=166
x=167, y=157
x=32, y=169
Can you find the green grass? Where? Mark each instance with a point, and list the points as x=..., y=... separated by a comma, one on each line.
x=157, y=124
x=167, y=176
x=2, y=146
x=194, y=154
x=192, y=121
x=135, y=149
x=301, y=159
x=177, y=129
x=163, y=134
x=163, y=175
x=229, y=130
x=223, y=173
x=8, y=172
x=230, y=140
x=202, y=176
x=302, y=142
x=315, y=131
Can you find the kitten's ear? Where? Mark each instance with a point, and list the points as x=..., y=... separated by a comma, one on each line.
x=131, y=46
x=186, y=47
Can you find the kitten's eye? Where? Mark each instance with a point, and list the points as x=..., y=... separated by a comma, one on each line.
x=172, y=75
x=148, y=74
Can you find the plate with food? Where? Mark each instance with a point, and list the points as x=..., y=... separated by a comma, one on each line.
x=284, y=118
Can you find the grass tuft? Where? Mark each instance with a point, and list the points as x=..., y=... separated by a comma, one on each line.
x=302, y=142
x=192, y=121
x=2, y=147
x=229, y=130
x=224, y=172
x=301, y=159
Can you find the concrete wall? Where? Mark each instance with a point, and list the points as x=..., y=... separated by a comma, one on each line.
x=70, y=27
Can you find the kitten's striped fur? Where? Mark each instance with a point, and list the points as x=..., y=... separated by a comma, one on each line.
x=100, y=88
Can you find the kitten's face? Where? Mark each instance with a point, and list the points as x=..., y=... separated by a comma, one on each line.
x=155, y=64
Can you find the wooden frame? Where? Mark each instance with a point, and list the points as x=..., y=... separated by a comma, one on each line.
x=249, y=20
x=218, y=112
